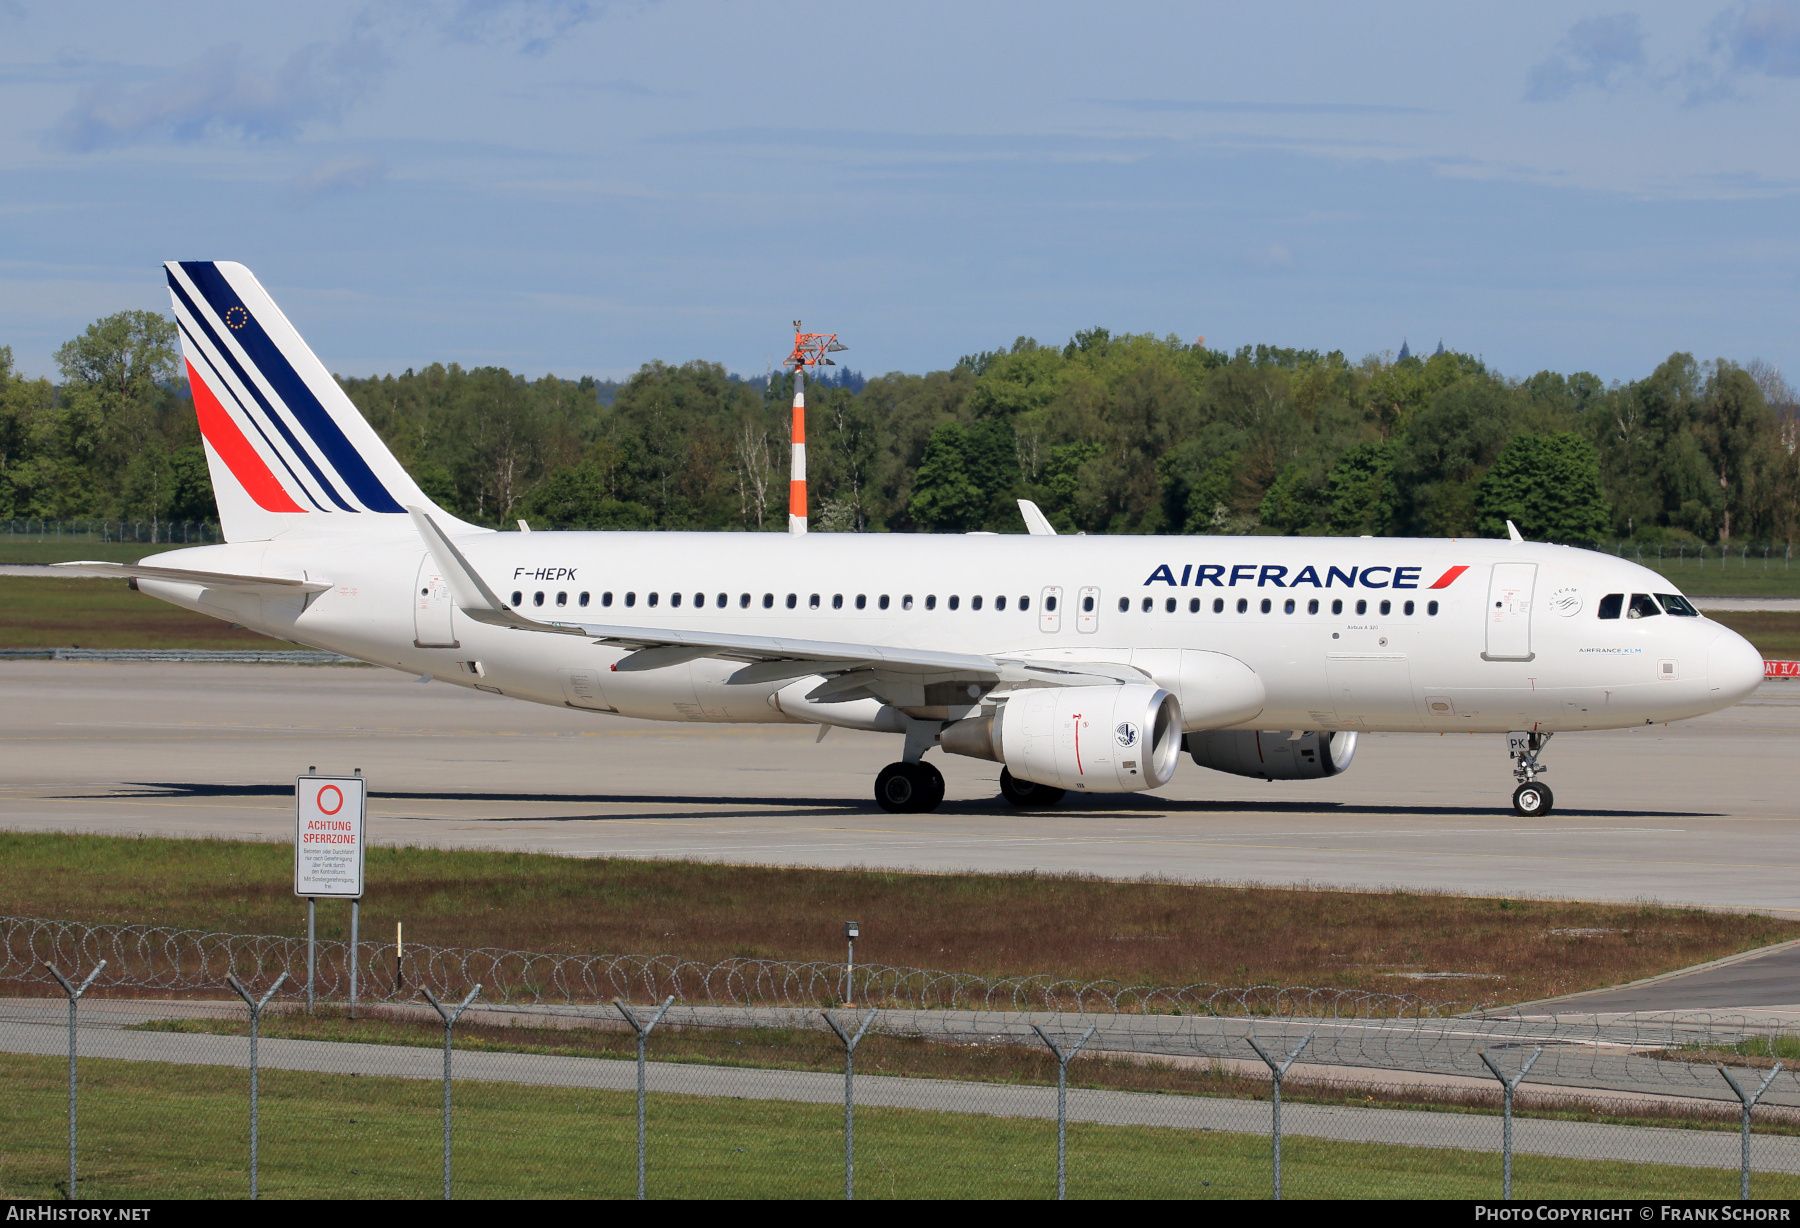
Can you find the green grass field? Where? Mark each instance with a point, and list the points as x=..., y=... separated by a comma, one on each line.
x=992, y=924
x=153, y=1130
x=52, y=612
x=21, y=549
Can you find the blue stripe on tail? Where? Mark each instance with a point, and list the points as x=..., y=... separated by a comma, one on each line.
x=280, y=373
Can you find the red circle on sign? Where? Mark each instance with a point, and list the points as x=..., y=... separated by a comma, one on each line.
x=323, y=808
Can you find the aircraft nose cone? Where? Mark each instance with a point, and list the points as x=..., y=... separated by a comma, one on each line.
x=1734, y=667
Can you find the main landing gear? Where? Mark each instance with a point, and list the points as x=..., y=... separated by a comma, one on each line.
x=1026, y=794
x=1532, y=799
x=909, y=788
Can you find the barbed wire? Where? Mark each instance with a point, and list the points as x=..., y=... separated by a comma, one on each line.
x=169, y=960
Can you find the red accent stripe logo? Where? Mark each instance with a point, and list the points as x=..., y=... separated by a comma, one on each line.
x=1449, y=577
x=232, y=448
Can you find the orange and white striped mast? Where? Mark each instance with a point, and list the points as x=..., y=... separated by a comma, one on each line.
x=810, y=350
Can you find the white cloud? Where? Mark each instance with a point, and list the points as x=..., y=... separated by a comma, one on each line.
x=217, y=95
x=340, y=175
x=1597, y=52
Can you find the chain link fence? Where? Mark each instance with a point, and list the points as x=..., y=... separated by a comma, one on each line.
x=175, y=532
x=164, y=1079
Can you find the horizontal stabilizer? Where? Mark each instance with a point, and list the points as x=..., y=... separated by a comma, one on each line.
x=210, y=579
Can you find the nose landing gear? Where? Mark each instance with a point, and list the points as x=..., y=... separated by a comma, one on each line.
x=1532, y=799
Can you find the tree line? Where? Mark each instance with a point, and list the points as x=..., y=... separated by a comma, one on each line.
x=1108, y=434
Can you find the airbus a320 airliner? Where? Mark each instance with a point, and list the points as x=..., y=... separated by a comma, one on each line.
x=1077, y=663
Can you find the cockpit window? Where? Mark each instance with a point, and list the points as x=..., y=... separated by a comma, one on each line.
x=1611, y=604
x=1642, y=606
x=1678, y=605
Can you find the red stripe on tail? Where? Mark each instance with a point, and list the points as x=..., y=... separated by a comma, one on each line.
x=239, y=457
x=1449, y=577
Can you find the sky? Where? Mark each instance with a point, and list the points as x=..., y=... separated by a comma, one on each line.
x=580, y=187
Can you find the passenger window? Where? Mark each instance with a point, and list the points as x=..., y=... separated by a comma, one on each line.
x=1642, y=606
x=1050, y=605
x=584, y=599
x=974, y=603
x=837, y=601
x=517, y=597
x=1087, y=604
x=1194, y=605
x=1169, y=606
x=1431, y=608
x=862, y=602
x=1218, y=605
x=700, y=601
x=1387, y=607
x=931, y=601
x=562, y=599
x=906, y=602
x=812, y=603
x=792, y=600
x=1124, y=604
x=955, y=601
x=743, y=601
x=768, y=601
x=1362, y=607
x=1407, y=609
x=1611, y=605
x=1024, y=605
x=999, y=603
x=630, y=600
x=538, y=599
x=723, y=601
x=882, y=601
x=1266, y=605
x=653, y=600
x=1678, y=605
x=1288, y=606
x=606, y=600
x=1312, y=607
x=1243, y=605
x=1337, y=607
x=674, y=600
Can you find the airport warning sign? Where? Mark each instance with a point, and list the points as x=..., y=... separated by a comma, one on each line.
x=328, y=836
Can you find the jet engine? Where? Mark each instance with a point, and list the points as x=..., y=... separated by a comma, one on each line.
x=1101, y=739
x=1272, y=754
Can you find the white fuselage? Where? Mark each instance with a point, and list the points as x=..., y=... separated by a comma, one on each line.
x=1521, y=648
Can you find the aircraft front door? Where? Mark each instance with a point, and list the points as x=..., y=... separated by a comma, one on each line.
x=431, y=609
x=1509, y=612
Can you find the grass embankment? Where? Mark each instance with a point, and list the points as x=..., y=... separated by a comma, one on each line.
x=20, y=549
x=1776, y=636
x=53, y=612
x=915, y=1057
x=1737, y=578
x=1147, y=932
x=154, y=1130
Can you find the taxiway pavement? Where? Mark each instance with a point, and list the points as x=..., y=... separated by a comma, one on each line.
x=1699, y=812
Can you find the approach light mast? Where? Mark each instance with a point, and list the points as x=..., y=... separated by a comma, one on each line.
x=810, y=350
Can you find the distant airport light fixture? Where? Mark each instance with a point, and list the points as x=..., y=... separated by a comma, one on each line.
x=851, y=932
x=810, y=350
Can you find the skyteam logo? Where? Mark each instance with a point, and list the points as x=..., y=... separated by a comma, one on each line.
x=1276, y=575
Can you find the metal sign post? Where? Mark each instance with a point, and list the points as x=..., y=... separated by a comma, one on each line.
x=330, y=815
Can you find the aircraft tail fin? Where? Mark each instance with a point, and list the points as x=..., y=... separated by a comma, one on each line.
x=287, y=451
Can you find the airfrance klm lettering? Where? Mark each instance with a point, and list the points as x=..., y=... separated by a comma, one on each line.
x=544, y=573
x=1275, y=574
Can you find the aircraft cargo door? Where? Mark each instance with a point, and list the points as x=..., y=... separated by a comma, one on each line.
x=431, y=609
x=1509, y=612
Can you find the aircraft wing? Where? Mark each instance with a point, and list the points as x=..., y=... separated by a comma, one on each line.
x=767, y=658
x=211, y=579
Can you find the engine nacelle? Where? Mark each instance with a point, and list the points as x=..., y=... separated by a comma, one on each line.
x=1099, y=739
x=1272, y=754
